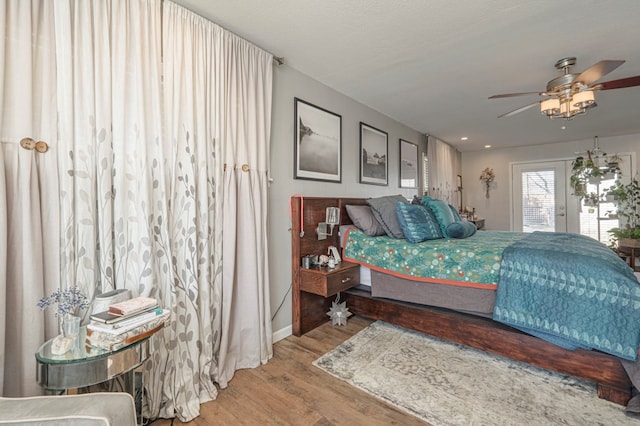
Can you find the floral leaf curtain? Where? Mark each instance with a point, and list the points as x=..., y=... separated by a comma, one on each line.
x=218, y=109
x=148, y=101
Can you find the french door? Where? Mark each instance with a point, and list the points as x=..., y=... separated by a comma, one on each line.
x=542, y=200
x=539, y=196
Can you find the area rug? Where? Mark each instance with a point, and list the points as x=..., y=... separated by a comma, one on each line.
x=444, y=383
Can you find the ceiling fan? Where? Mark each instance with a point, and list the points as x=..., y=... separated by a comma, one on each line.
x=572, y=94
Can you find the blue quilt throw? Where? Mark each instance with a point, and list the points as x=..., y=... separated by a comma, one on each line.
x=573, y=288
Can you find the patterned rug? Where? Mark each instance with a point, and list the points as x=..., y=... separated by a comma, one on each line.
x=444, y=383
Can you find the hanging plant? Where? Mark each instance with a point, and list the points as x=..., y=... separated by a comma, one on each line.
x=592, y=170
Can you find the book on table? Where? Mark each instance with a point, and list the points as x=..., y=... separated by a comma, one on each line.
x=114, y=339
x=111, y=317
x=133, y=306
x=125, y=324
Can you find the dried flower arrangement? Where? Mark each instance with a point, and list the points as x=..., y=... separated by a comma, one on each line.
x=69, y=301
x=487, y=176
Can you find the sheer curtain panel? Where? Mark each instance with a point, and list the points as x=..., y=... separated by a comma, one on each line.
x=444, y=163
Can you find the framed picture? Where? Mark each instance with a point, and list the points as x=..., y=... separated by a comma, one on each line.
x=408, y=164
x=317, y=143
x=373, y=155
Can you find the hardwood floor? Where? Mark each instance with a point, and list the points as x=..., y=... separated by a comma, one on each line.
x=288, y=390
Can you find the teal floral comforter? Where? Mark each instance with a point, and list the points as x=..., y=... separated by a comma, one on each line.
x=474, y=260
x=573, y=288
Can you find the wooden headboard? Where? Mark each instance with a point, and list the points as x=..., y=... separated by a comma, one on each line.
x=309, y=310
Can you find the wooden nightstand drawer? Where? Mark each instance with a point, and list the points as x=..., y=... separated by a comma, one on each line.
x=327, y=282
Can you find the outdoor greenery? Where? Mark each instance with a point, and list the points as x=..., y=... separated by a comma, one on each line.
x=627, y=199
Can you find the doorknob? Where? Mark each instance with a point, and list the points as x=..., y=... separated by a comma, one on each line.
x=560, y=214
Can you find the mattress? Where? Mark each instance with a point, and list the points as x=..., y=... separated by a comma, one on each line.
x=477, y=301
x=455, y=274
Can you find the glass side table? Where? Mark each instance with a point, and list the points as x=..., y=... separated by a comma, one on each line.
x=85, y=366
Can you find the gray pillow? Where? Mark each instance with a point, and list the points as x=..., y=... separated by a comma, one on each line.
x=363, y=218
x=384, y=210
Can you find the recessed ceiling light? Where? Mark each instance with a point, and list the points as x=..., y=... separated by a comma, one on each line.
x=487, y=146
x=464, y=138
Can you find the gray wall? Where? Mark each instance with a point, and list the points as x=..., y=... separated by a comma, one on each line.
x=287, y=84
x=496, y=208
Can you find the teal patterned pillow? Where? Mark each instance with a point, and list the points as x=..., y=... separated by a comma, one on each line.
x=417, y=222
x=456, y=213
x=462, y=229
x=442, y=212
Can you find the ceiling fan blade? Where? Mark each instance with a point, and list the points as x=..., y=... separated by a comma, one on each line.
x=519, y=110
x=511, y=95
x=597, y=71
x=619, y=84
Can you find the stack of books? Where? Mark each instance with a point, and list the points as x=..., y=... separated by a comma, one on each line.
x=125, y=323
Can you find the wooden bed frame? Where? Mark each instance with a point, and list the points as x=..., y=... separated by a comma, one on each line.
x=309, y=311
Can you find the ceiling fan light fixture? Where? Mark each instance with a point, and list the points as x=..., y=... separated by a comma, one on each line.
x=573, y=94
x=550, y=107
x=583, y=99
x=569, y=108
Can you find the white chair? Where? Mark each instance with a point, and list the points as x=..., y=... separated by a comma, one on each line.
x=90, y=409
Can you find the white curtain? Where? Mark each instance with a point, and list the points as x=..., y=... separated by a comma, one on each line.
x=111, y=159
x=156, y=181
x=244, y=105
x=444, y=163
x=29, y=248
x=218, y=110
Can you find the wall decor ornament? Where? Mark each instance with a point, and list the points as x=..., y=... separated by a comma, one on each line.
x=339, y=313
x=487, y=176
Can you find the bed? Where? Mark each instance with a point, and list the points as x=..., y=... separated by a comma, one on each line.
x=457, y=321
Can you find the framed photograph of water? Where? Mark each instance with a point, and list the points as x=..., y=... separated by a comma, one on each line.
x=373, y=155
x=408, y=164
x=318, y=143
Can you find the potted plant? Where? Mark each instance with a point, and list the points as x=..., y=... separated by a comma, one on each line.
x=591, y=199
x=627, y=200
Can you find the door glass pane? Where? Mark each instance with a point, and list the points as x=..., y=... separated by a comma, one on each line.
x=538, y=201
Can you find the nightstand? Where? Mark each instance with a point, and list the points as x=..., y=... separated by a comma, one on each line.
x=328, y=282
x=478, y=222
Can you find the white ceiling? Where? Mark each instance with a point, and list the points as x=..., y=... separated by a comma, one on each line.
x=432, y=64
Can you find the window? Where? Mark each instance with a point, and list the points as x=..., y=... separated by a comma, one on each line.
x=596, y=220
x=425, y=174
x=538, y=201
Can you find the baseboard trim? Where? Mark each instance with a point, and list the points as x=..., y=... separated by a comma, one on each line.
x=283, y=333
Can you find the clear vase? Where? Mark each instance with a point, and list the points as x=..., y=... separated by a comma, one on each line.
x=70, y=326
